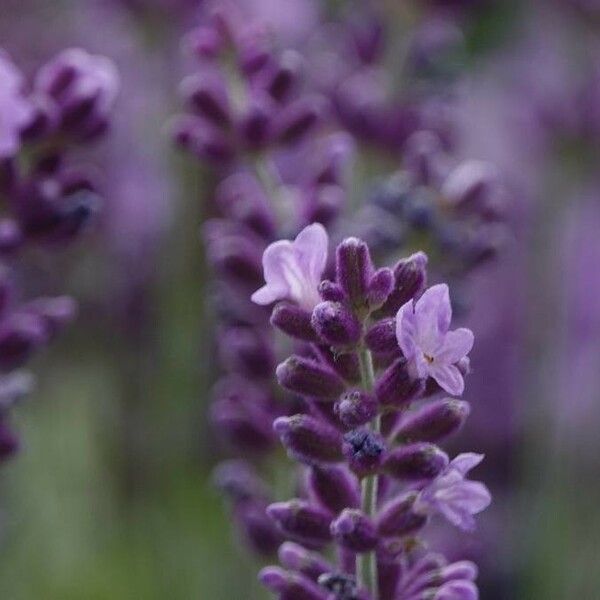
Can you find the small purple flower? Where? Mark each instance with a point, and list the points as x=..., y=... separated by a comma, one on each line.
x=293, y=270
x=454, y=497
x=431, y=350
x=15, y=110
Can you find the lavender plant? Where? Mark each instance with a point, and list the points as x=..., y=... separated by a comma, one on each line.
x=46, y=198
x=373, y=416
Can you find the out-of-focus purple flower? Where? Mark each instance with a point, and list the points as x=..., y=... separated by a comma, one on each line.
x=454, y=497
x=15, y=109
x=422, y=329
x=293, y=270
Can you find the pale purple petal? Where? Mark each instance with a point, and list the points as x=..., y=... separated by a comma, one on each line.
x=311, y=245
x=433, y=308
x=457, y=344
x=448, y=377
x=457, y=590
x=465, y=462
x=460, y=502
x=406, y=330
x=275, y=258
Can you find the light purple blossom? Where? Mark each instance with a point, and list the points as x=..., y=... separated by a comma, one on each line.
x=422, y=330
x=293, y=270
x=457, y=590
x=15, y=110
x=454, y=497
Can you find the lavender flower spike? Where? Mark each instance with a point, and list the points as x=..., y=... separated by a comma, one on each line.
x=422, y=329
x=454, y=497
x=293, y=270
x=15, y=109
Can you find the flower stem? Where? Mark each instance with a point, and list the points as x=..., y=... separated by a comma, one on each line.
x=366, y=567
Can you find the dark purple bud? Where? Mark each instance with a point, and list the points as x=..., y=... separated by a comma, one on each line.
x=294, y=321
x=389, y=567
x=381, y=338
x=355, y=531
x=335, y=488
x=9, y=442
x=331, y=292
x=238, y=481
x=296, y=558
x=395, y=387
x=203, y=42
x=415, y=462
x=346, y=364
x=284, y=75
x=260, y=533
x=241, y=198
x=246, y=351
x=397, y=517
x=56, y=313
x=206, y=94
x=324, y=410
x=380, y=287
x=297, y=119
x=290, y=586
x=20, y=336
x=364, y=451
x=255, y=124
x=354, y=271
x=410, y=281
x=44, y=119
x=356, y=408
x=342, y=587
x=434, y=421
x=309, y=377
x=336, y=324
x=306, y=523
x=309, y=440
x=236, y=256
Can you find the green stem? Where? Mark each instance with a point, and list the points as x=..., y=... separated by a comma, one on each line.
x=366, y=567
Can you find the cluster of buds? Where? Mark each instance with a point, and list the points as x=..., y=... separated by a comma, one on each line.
x=457, y=210
x=245, y=96
x=45, y=200
x=377, y=373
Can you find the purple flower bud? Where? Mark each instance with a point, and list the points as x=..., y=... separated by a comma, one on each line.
x=410, y=281
x=207, y=96
x=342, y=587
x=308, y=377
x=397, y=517
x=303, y=522
x=297, y=119
x=331, y=292
x=284, y=75
x=290, y=586
x=9, y=442
x=335, y=324
x=256, y=123
x=415, y=462
x=203, y=42
x=259, y=531
x=323, y=204
x=380, y=287
x=434, y=421
x=424, y=158
x=356, y=408
x=364, y=451
x=346, y=364
x=395, y=386
x=293, y=320
x=11, y=236
x=309, y=440
x=354, y=270
x=355, y=531
x=389, y=568
x=470, y=185
x=237, y=480
x=20, y=336
x=381, y=337
x=296, y=558
x=334, y=488
x=247, y=351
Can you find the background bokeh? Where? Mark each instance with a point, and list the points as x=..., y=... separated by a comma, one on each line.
x=111, y=495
